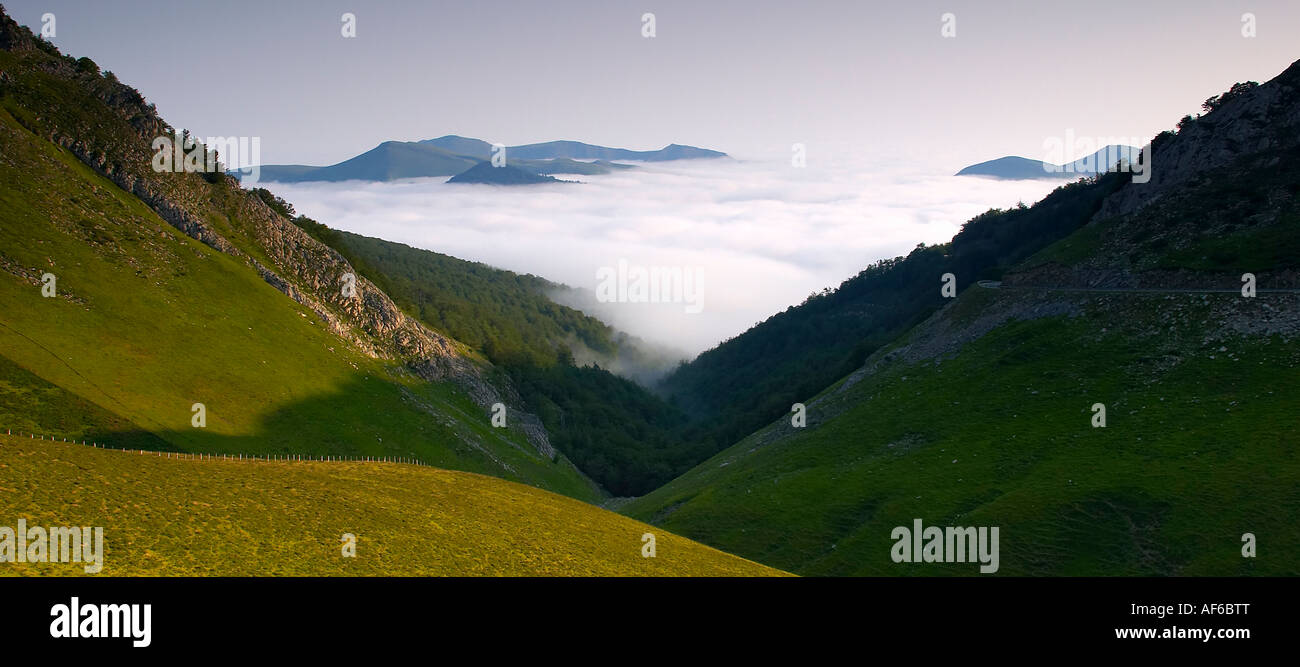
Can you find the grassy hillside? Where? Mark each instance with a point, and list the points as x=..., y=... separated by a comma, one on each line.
x=148, y=321
x=1199, y=448
x=173, y=517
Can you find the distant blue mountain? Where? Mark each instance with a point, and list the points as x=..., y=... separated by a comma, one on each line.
x=574, y=150
x=484, y=172
x=452, y=155
x=389, y=161
x=475, y=148
x=1019, y=168
x=580, y=151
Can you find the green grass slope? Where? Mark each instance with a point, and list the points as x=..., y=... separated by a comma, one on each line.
x=1199, y=448
x=168, y=517
x=148, y=321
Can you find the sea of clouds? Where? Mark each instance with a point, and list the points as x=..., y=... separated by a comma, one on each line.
x=758, y=235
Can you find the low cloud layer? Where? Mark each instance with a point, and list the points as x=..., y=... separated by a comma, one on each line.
x=756, y=235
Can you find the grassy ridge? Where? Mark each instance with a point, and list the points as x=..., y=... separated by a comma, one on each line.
x=238, y=518
x=1200, y=448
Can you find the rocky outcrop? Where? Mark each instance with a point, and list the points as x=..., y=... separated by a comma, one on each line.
x=1260, y=121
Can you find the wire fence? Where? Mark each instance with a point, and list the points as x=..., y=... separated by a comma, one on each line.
x=210, y=456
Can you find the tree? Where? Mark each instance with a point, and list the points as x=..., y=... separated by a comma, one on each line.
x=1237, y=90
x=87, y=65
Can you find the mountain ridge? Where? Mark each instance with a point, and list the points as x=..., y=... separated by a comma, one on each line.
x=453, y=155
x=1014, y=167
x=488, y=174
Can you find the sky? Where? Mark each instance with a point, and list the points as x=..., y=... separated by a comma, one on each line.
x=886, y=100
x=747, y=77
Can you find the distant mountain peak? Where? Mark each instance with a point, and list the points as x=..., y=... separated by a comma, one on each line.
x=485, y=172
x=1014, y=167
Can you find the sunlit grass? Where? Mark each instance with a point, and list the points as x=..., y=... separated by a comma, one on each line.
x=170, y=517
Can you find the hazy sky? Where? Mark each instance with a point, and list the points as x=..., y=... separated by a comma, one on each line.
x=747, y=77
